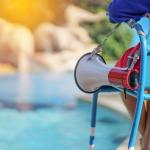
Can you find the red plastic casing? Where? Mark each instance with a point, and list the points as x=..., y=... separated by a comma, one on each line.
x=121, y=78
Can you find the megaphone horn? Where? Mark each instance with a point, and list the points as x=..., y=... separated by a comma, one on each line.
x=91, y=73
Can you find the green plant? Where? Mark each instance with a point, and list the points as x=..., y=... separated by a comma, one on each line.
x=118, y=42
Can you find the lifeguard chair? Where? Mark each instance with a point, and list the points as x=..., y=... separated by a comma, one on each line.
x=144, y=84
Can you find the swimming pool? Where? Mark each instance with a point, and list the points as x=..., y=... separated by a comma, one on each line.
x=54, y=127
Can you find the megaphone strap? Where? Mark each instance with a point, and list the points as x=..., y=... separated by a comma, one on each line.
x=99, y=47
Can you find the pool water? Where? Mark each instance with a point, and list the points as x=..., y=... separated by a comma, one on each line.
x=60, y=129
x=55, y=127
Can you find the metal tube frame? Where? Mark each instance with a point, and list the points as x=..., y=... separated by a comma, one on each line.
x=140, y=95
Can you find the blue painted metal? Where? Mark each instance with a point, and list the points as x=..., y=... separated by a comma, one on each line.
x=148, y=70
x=147, y=96
x=140, y=96
x=132, y=93
x=148, y=50
x=94, y=110
x=144, y=83
x=93, y=116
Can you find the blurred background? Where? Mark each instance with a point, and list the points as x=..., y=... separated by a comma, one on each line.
x=41, y=107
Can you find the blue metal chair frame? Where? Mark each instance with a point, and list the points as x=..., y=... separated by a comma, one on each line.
x=139, y=94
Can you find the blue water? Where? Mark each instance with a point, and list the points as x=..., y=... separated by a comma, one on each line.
x=38, y=89
x=58, y=126
x=60, y=129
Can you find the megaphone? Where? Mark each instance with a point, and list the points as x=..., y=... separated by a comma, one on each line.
x=91, y=73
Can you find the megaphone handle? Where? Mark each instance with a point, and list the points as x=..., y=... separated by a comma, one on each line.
x=93, y=121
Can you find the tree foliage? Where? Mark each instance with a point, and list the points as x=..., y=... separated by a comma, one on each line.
x=118, y=42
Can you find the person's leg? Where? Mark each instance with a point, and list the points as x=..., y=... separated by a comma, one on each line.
x=130, y=103
x=146, y=138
